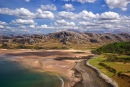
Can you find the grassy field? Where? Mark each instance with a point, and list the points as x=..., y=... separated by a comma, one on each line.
x=120, y=67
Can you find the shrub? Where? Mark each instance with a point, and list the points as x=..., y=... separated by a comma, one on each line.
x=119, y=73
x=108, y=67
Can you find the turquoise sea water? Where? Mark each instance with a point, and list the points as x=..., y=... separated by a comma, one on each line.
x=14, y=75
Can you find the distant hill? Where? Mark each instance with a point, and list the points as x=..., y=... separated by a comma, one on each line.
x=64, y=39
x=117, y=47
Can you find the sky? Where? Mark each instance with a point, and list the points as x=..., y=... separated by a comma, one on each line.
x=47, y=16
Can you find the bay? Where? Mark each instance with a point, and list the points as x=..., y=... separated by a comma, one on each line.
x=12, y=74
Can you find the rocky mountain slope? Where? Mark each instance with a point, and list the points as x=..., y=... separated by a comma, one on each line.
x=84, y=38
x=64, y=38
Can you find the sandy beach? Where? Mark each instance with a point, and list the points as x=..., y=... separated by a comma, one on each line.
x=44, y=60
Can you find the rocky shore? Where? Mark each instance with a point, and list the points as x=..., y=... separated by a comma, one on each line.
x=91, y=76
x=103, y=76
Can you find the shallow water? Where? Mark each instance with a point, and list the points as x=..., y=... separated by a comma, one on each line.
x=14, y=75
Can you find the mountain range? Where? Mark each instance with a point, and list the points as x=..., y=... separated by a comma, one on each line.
x=64, y=39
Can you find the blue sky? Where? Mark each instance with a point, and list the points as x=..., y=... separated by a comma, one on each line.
x=46, y=16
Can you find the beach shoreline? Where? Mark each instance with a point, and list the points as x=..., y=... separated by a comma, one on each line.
x=102, y=75
x=62, y=63
x=44, y=61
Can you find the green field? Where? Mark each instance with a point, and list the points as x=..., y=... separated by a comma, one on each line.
x=120, y=67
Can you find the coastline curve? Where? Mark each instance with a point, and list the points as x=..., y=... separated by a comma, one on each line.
x=102, y=75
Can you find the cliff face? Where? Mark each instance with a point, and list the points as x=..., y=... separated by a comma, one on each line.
x=66, y=38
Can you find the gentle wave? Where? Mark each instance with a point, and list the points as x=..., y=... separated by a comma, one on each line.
x=62, y=81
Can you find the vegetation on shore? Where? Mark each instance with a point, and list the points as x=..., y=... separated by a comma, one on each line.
x=22, y=46
x=114, y=61
x=117, y=47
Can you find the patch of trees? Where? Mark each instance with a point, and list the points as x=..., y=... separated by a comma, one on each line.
x=117, y=47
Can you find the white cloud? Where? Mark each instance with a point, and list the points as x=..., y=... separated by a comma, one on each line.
x=82, y=15
x=84, y=1
x=87, y=24
x=109, y=15
x=44, y=26
x=83, y=23
x=26, y=14
x=122, y=4
x=44, y=14
x=48, y=7
x=1, y=26
x=60, y=22
x=64, y=23
x=32, y=26
x=67, y=15
x=87, y=15
x=22, y=26
x=83, y=20
x=122, y=23
x=3, y=23
x=23, y=22
x=70, y=23
x=21, y=12
x=27, y=0
x=68, y=7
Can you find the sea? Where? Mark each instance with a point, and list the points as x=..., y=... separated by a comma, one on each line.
x=12, y=74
